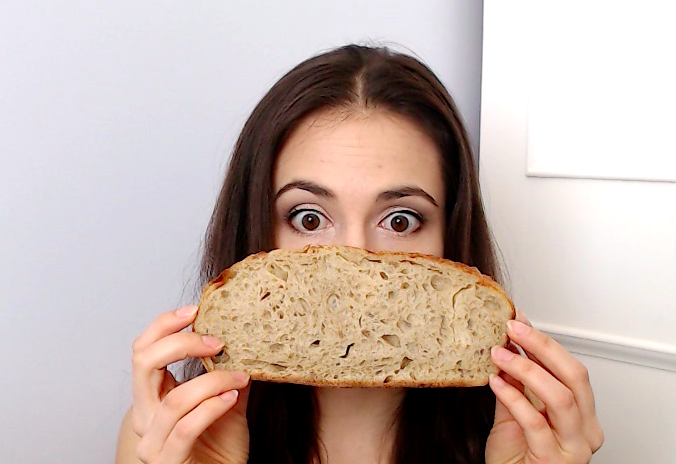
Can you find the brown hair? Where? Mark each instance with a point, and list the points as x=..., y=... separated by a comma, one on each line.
x=434, y=425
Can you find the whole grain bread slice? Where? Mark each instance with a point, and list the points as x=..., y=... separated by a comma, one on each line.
x=342, y=316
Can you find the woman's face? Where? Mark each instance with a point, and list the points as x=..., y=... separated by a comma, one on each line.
x=370, y=180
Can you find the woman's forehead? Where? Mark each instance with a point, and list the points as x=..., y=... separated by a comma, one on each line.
x=372, y=146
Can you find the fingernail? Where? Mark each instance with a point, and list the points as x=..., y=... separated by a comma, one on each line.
x=501, y=354
x=240, y=376
x=496, y=380
x=186, y=311
x=517, y=327
x=229, y=396
x=212, y=342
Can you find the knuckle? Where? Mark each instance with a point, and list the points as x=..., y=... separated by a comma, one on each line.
x=546, y=341
x=143, y=452
x=538, y=423
x=138, y=361
x=566, y=401
x=137, y=425
x=581, y=373
x=172, y=401
x=183, y=431
x=584, y=455
x=597, y=439
x=136, y=345
x=527, y=366
x=542, y=460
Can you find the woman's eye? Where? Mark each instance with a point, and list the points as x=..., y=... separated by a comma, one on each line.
x=307, y=220
x=402, y=222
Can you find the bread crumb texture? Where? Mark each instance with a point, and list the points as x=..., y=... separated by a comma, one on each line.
x=341, y=316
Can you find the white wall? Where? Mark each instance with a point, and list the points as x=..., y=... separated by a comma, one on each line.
x=578, y=177
x=116, y=119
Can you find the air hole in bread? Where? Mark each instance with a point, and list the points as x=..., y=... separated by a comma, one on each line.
x=384, y=276
x=277, y=271
x=275, y=347
x=267, y=327
x=388, y=379
x=346, y=258
x=347, y=351
x=405, y=362
x=392, y=340
x=404, y=286
x=277, y=367
x=391, y=295
x=366, y=333
x=315, y=343
x=267, y=294
x=440, y=283
x=281, y=314
x=403, y=325
x=332, y=301
x=221, y=357
x=304, y=306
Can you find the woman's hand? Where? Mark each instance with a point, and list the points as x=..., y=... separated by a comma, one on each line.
x=559, y=425
x=200, y=421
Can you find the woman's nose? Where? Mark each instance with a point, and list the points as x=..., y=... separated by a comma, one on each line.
x=354, y=236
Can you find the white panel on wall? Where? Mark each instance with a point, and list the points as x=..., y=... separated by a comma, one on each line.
x=602, y=90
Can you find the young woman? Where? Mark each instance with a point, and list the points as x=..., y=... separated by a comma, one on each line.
x=364, y=147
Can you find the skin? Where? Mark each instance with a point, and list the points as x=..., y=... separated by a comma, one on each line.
x=368, y=179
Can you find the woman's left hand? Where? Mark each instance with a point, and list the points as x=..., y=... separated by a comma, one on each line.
x=559, y=425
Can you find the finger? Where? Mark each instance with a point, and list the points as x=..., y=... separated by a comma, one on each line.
x=166, y=324
x=561, y=363
x=182, y=438
x=186, y=397
x=149, y=365
x=539, y=436
x=559, y=401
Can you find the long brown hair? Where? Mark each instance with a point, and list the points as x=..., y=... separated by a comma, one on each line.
x=434, y=425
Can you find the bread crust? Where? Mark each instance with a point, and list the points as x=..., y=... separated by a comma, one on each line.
x=309, y=379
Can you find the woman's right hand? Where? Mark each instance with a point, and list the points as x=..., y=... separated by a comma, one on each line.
x=201, y=421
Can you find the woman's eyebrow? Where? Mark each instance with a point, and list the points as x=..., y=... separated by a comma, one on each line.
x=406, y=192
x=307, y=186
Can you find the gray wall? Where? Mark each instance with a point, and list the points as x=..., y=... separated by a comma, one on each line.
x=116, y=120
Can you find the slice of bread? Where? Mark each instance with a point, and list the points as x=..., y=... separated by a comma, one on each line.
x=341, y=316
